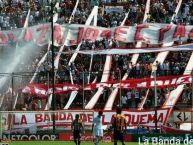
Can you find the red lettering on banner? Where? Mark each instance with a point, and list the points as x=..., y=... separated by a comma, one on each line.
x=142, y=84
x=158, y=83
x=57, y=116
x=179, y=31
x=28, y=36
x=69, y=117
x=151, y=118
x=58, y=35
x=79, y=37
x=173, y=81
x=3, y=38
x=38, y=118
x=23, y=120
x=138, y=36
x=142, y=119
x=123, y=85
x=46, y=117
x=160, y=117
x=183, y=80
x=162, y=31
x=42, y=37
x=62, y=116
x=167, y=82
x=106, y=34
x=135, y=119
x=118, y=32
x=86, y=117
x=14, y=120
x=91, y=34
x=90, y=117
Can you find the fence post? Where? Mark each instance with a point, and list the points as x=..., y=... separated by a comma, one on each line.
x=83, y=105
x=120, y=98
x=12, y=86
x=192, y=101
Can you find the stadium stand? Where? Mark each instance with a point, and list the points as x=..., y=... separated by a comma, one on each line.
x=81, y=70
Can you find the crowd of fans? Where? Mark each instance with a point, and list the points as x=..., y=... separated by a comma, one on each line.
x=14, y=12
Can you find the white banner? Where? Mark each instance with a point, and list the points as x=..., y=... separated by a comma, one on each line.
x=125, y=51
x=64, y=118
x=74, y=33
x=148, y=33
x=39, y=34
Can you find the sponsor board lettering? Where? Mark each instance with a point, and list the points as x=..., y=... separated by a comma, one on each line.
x=108, y=137
x=29, y=137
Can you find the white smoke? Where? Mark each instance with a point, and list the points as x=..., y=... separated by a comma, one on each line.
x=17, y=61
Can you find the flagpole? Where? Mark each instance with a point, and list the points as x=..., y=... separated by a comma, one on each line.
x=53, y=72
